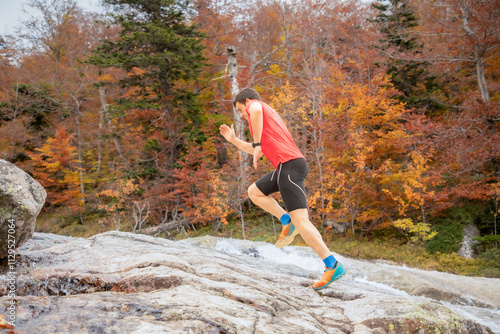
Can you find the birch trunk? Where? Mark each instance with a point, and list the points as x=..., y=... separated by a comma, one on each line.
x=233, y=78
x=79, y=146
x=481, y=76
x=102, y=95
x=232, y=64
x=478, y=56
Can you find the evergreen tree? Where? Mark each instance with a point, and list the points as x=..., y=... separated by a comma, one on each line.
x=412, y=78
x=157, y=47
x=161, y=52
x=27, y=117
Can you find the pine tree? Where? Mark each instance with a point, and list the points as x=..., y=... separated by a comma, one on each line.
x=160, y=51
x=411, y=77
x=157, y=47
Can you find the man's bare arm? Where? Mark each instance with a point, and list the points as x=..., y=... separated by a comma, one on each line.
x=257, y=120
x=228, y=133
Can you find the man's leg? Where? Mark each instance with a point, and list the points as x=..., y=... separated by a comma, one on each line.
x=288, y=231
x=309, y=232
x=333, y=269
x=267, y=203
x=292, y=189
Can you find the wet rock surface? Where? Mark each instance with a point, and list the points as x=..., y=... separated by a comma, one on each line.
x=21, y=199
x=118, y=282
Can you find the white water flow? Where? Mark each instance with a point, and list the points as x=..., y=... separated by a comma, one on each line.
x=476, y=298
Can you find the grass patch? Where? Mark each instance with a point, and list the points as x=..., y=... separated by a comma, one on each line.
x=65, y=222
x=413, y=256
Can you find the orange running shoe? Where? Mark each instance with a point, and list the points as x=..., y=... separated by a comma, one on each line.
x=330, y=275
x=287, y=235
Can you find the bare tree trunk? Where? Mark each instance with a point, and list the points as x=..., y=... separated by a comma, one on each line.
x=478, y=56
x=317, y=135
x=138, y=214
x=287, y=27
x=495, y=217
x=79, y=145
x=318, y=144
x=240, y=133
x=102, y=95
x=359, y=60
x=424, y=217
x=165, y=227
x=119, y=149
x=481, y=77
x=233, y=78
x=242, y=219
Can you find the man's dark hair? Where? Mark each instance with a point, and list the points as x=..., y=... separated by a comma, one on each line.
x=246, y=93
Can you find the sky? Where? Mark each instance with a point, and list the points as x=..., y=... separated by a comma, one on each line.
x=11, y=14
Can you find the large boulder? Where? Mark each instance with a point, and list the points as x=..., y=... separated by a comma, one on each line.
x=467, y=248
x=21, y=199
x=118, y=282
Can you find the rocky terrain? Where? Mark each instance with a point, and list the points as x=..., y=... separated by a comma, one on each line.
x=21, y=199
x=118, y=282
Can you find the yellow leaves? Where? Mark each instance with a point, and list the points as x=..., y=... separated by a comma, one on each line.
x=403, y=224
x=293, y=105
x=415, y=232
x=370, y=172
x=494, y=190
x=371, y=109
x=406, y=184
x=274, y=69
x=368, y=215
x=107, y=78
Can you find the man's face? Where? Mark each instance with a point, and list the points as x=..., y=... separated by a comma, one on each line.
x=241, y=109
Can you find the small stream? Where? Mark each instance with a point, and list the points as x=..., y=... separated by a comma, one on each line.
x=383, y=278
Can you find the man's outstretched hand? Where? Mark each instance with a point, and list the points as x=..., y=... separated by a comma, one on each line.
x=228, y=132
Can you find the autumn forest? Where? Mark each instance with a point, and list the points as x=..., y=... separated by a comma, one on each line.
x=395, y=104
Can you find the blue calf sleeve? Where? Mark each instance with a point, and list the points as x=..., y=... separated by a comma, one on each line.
x=285, y=219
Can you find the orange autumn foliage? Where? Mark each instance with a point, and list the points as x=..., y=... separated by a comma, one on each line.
x=199, y=188
x=116, y=200
x=373, y=175
x=55, y=167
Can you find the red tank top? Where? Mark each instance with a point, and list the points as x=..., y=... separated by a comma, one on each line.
x=276, y=142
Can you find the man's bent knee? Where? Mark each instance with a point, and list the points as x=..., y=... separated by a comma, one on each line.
x=254, y=192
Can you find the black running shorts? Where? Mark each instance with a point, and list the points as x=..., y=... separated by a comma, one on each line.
x=288, y=179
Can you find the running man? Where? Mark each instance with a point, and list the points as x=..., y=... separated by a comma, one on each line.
x=272, y=139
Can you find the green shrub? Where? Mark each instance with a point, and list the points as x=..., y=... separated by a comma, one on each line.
x=488, y=240
x=448, y=238
x=450, y=228
x=491, y=256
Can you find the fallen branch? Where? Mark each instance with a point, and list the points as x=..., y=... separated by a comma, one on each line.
x=165, y=227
